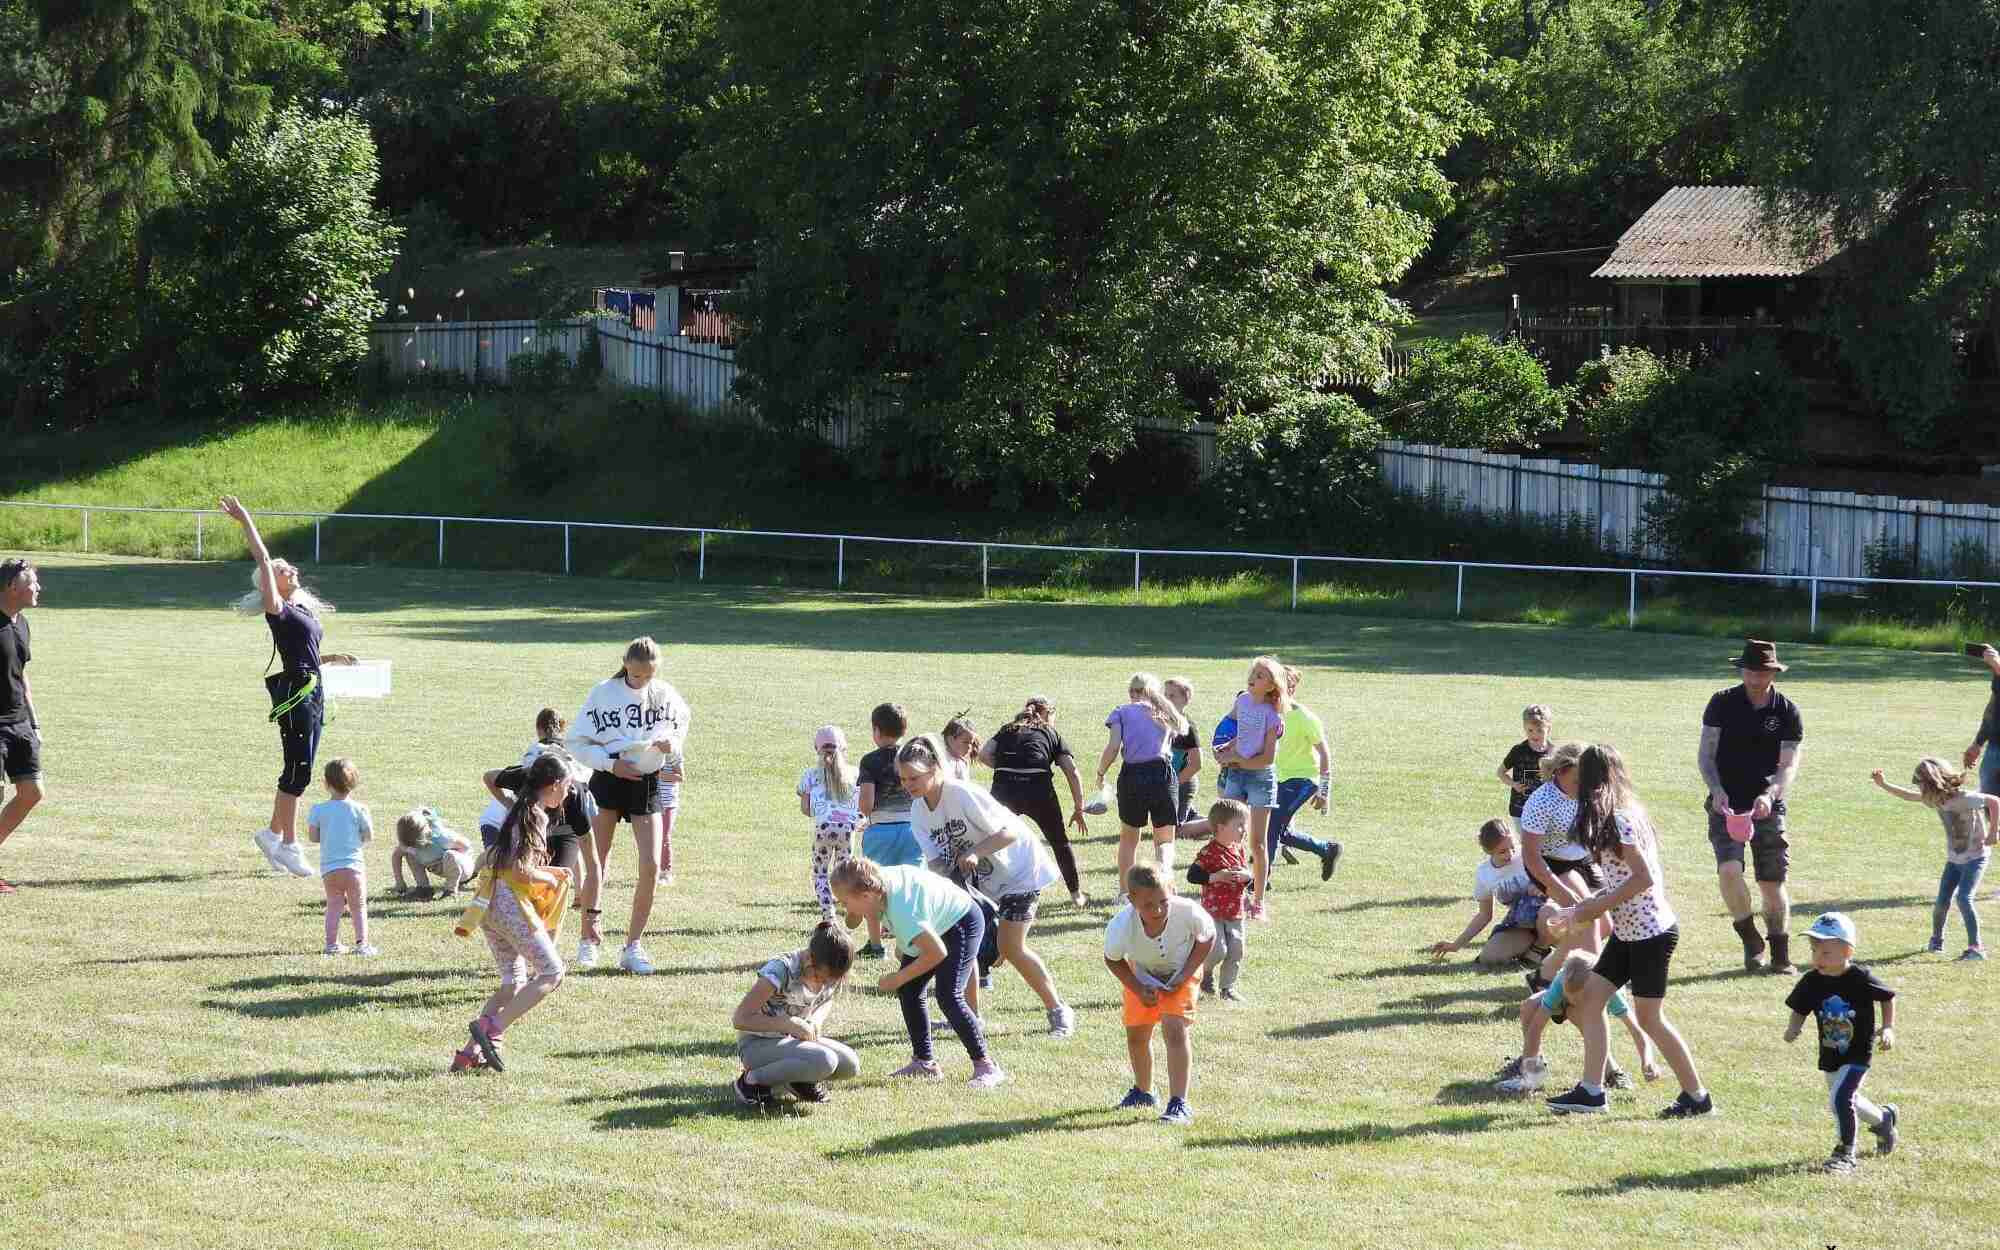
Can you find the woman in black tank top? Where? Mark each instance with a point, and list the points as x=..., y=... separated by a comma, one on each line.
x=1024, y=755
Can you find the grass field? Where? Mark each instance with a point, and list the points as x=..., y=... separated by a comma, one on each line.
x=186, y=1070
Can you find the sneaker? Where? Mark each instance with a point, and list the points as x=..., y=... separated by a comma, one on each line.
x=1137, y=1099
x=288, y=856
x=1062, y=1022
x=752, y=1095
x=1685, y=1108
x=1973, y=954
x=810, y=1091
x=986, y=1074
x=467, y=1060
x=1616, y=1077
x=1578, y=1101
x=633, y=960
x=333, y=948
x=1936, y=946
x=586, y=954
x=1528, y=1076
x=919, y=1070
x=488, y=1041
x=1285, y=853
x=1329, y=861
x=267, y=842
x=1177, y=1112
x=367, y=950
x=1839, y=1163
x=872, y=950
x=1079, y=899
x=666, y=877
x=1230, y=995
x=1885, y=1132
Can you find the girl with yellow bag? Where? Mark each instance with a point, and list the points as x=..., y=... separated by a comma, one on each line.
x=519, y=910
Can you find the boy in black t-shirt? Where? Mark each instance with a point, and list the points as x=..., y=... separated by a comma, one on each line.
x=1522, y=769
x=1841, y=995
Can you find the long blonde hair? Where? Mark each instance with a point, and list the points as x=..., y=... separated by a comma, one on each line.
x=1936, y=780
x=834, y=775
x=253, y=603
x=1273, y=668
x=1145, y=688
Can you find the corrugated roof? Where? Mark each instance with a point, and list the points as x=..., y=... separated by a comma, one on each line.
x=1704, y=232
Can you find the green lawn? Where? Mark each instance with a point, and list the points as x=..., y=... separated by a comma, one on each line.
x=186, y=1070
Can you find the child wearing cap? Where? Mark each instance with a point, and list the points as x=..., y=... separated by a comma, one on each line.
x=1841, y=995
x=828, y=793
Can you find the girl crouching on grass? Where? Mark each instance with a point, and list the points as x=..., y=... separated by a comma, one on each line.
x=780, y=1022
x=523, y=903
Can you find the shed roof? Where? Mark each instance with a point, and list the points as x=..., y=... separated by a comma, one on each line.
x=1706, y=232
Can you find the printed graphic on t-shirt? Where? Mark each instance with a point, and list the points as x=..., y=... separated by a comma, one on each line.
x=1836, y=1025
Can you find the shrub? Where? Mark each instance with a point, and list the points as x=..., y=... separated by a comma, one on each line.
x=1474, y=392
x=1302, y=471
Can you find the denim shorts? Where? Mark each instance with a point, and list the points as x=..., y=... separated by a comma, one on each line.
x=1255, y=787
x=890, y=843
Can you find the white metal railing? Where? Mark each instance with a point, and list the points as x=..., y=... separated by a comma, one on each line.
x=840, y=541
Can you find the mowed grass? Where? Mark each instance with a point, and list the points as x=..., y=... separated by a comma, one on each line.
x=185, y=1069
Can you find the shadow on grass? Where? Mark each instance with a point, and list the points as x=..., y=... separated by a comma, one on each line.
x=342, y=1000
x=979, y=1132
x=186, y=957
x=716, y=1049
x=120, y=883
x=1475, y=1090
x=662, y=1106
x=1507, y=997
x=1428, y=967
x=1381, y=1020
x=357, y=980
x=1362, y=1134
x=1859, y=904
x=1696, y=1178
x=1421, y=900
x=257, y=1082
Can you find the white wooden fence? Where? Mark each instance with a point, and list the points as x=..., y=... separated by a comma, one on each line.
x=1810, y=533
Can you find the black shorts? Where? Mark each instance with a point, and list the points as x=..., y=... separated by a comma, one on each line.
x=637, y=797
x=1641, y=965
x=21, y=752
x=1770, y=850
x=1581, y=867
x=1146, y=795
x=1018, y=908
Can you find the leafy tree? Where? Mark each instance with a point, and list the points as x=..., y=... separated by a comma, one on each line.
x=1304, y=470
x=266, y=272
x=1049, y=220
x=1877, y=125
x=1474, y=392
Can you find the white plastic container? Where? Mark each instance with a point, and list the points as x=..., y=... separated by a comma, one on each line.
x=364, y=679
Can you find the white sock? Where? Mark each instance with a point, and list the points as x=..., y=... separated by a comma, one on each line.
x=1595, y=1091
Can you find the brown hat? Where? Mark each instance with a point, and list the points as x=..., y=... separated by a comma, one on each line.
x=1759, y=656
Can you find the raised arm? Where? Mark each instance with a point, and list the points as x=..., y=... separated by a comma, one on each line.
x=233, y=508
x=1902, y=792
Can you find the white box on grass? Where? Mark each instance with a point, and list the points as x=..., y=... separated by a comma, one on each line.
x=363, y=679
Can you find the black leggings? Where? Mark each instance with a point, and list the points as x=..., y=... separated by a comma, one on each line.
x=1038, y=803
x=298, y=733
x=961, y=948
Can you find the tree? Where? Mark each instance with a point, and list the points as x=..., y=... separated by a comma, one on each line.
x=1877, y=124
x=1304, y=470
x=266, y=272
x=1045, y=221
x=1474, y=392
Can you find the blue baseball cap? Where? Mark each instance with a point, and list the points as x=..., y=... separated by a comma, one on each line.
x=1834, y=926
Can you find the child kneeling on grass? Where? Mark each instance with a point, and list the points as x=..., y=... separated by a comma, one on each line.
x=1155, y=946
x=780, y=1023
x=427, y=845
x=1528, y=1072
x=1841, y=996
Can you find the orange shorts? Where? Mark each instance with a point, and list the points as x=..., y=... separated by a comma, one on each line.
x=1179, y=1003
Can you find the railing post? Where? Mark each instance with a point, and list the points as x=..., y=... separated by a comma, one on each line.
x=1135, y=572
x=316, y=524
x=440, y=541
x=1295, y=583
x=1632, y=602
x=982, y=572
x=1459, y=608
x=86, y=532
x=701, y=560
x=198, y=518
x=1814, y=583
x=839, y=561
x=565, y=547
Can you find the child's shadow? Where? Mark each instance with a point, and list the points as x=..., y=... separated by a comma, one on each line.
x=661, y=1106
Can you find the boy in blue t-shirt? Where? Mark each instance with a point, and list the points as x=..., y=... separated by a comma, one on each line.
x=1841, y=996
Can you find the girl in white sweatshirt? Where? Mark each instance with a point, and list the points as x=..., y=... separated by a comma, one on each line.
x=627, y=716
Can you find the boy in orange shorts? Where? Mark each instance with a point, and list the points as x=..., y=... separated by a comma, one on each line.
x=1155, y=946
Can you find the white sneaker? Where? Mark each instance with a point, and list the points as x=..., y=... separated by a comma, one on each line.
x=367, y=950
x=987, y=1074
x=1529, y=1079
x=666, y=877
x=586, y=954
x=289, y=857
x=633, y=960
x=1062, y=1022
x=1079, y=899
x=334, y=948
x=267, y=843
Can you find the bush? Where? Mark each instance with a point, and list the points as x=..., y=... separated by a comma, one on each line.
x=1474, y=392
x=1304, y=471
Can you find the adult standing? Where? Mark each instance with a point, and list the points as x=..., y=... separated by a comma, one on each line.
x=968, y=835
x=1141, y=730
x=1750, y=736
x=1988, y=762
x=298, y=702
x=1305, y=775
x=20, y=732
x=1024, y=754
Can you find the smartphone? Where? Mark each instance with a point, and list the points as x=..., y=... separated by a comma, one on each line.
x=1976, y=650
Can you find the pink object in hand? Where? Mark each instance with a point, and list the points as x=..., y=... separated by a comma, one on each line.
x=1739, y=824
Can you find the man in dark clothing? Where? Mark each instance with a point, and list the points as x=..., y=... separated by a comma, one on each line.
x=1750, y=736
x=20, y=734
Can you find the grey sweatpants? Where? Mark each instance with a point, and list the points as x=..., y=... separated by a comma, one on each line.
x=1227, y=951
x=787, y=1060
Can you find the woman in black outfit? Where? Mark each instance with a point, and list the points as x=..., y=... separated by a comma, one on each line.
x=1024, y=755
x=298, y=704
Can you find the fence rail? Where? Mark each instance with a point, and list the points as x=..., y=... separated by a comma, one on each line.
x=1297, y=562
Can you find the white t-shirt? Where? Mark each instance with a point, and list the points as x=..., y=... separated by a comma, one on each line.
x=494, y=816
x=966, y=816
x=1160, y=957
x=1645, y=915
x=826, y=808
x=1551, y=813
x=1503, y=884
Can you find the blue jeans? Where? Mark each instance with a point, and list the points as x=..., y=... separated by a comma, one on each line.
x=1961, y=880
x=1989, y=769
x=1292, y=795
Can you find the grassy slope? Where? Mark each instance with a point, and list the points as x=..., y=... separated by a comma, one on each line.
x=188, y=1071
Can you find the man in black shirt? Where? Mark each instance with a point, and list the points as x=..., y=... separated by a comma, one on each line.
x=1750, y=736
x=20, y=734
x=1976, y=755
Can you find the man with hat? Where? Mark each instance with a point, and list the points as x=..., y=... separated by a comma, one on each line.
x=1750, y=735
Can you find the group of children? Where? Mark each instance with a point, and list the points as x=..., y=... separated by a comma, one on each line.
x=342, y=827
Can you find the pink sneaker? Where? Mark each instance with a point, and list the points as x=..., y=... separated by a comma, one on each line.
x=919, y=1069
x=986, y=1074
